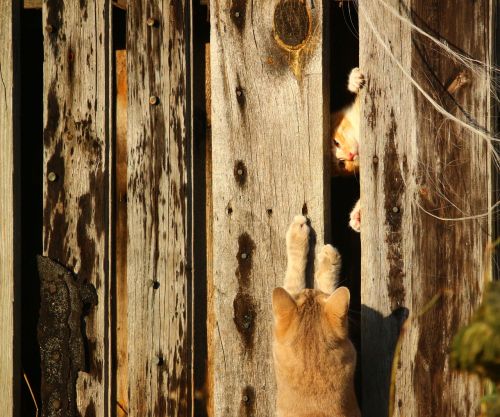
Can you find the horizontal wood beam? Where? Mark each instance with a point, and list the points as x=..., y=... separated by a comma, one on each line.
x=37, y=4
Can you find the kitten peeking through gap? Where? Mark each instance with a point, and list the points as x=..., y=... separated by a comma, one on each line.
x=314, y=360
x=345, y=140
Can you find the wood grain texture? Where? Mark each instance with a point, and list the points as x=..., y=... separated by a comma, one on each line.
x=269, y=153
x=10, y=318
x=32, y=4
x=413, y=160
x=121, y=234
x=159, y=272
x=77, y=148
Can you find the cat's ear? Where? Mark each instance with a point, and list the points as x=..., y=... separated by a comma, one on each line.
x=337, y=306
x=284, y=305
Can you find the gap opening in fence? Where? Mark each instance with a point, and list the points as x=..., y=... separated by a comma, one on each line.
x=32, y=200
x=344, y=57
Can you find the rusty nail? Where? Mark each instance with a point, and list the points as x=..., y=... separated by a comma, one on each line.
x=49, y=28
x=395, y=209
x=375, y=159
x=52, y=176
x=52, y=289
x=237, y=14
x=244, y=256
x=151, y=22
x=153, y=100
x=245, y=398
x=240, y=172
x=56, y=404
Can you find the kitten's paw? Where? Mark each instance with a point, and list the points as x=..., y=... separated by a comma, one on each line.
x=298, y=233
x=355, y=218
x=356, y=80
x=329, y=256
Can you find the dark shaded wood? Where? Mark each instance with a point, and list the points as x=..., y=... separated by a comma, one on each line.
x=159, y=216
x=10, y=192
x=417, y=165
x=77, y=149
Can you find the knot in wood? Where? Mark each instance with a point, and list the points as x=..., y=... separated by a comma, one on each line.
x=292, y=24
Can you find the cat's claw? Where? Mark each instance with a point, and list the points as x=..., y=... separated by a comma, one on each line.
x=356, y=80
x=355, y=218
x=298, y=232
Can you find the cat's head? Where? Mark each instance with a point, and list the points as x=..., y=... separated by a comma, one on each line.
x=310, y=317
x=345, y=146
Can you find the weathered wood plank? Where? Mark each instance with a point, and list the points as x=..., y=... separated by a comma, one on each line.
x=413, y=160
x=270, y=116
x=121, y=234
x=32, y=4
x=10, y=318
x=159, y=273
x=77, y=123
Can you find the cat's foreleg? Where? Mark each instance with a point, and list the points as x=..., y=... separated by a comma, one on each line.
x=297, y=247
x=356, y=81
x=328, y=264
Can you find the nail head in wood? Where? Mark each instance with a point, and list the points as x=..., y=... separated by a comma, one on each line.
x=245, y=398
x=158, y=360
x=375, y=159
x=395, y=209
x=56, y=404
x=49, y=28
x=151, y=22
x=153, y=100
x=244, y=256
x=52, y=176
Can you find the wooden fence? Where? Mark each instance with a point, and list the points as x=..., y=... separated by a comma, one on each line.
x=180, y=226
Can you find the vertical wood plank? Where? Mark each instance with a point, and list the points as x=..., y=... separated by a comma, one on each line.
x=269, y=160
x=416, y=165
x=159, y=251
x=77, y=109
x=121, y=234
x=10, y=370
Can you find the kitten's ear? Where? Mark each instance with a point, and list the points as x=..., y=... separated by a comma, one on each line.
x=337, y=306
x=283, y=305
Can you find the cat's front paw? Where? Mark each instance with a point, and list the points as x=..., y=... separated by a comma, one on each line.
x=329, y=257
x=356, y=81
x=355, y=217
x=297, y=236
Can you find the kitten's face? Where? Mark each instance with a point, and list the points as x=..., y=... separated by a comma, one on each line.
x=311, y=317
x=345, y=148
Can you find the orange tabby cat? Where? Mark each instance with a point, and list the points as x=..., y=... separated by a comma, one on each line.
x=345, y=140
x=314, y=359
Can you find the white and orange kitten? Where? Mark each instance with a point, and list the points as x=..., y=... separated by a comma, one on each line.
x=345, y=140
x=314, y=360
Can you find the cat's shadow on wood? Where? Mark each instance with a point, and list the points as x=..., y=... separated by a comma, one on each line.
x=379, y=336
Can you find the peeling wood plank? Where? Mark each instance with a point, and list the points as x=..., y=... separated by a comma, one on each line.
x=159, y=271
x=413, y=160
x=270, y=115
x=77, y=149
x=10, y=317
x=121, y=234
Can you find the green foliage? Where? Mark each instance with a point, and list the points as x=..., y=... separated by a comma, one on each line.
x=476, y=347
